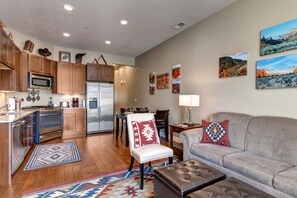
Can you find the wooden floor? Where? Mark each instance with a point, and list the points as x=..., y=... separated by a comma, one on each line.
x=100, y=154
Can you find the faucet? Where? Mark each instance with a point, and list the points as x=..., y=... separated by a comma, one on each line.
x=4, y=106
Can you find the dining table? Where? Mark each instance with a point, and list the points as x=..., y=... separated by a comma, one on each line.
x=123, y=118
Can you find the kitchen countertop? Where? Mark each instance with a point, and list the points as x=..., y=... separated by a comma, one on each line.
x=73, y=107
x=14, y=115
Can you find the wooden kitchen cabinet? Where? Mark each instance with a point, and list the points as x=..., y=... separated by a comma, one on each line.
x=53, y=72
x=71, y=78
x=35, y=63
x=23, y=72
x=7, y=50
x=46, y=66
x=75, y=121
x=100, y=73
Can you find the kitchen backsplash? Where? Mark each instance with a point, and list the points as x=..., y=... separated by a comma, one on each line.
x=44, y=98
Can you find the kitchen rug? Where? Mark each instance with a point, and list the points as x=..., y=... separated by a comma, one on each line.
x=53, y=154
x=118, y=184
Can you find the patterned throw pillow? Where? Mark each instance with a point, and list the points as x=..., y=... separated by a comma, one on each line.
x=144, y=133
x=215, y=132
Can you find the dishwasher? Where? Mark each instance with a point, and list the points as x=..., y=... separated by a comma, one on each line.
x=22, y=140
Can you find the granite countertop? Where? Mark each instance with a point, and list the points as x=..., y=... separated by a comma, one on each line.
x=12, y=116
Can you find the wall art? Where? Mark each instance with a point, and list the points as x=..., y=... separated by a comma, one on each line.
x=279, y=38
x=176, y=78
x=152, y=83
x=64, y=56
x=279, y=72
x=233, y=65
x=163, y=81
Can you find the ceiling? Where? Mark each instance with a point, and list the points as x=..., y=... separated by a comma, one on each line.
x=93, y=21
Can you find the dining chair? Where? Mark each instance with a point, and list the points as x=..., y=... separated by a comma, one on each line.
x=161, y=118
x=149, y=152
x=124, y=110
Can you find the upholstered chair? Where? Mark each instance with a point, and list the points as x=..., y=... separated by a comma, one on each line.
x=148, y=152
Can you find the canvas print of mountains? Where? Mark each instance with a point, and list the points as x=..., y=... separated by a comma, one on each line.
x=279, y=38
x=280, y=72
x=233, y=65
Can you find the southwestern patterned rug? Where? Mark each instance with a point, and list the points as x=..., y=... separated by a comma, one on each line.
x=52, y=155
x=122, y=184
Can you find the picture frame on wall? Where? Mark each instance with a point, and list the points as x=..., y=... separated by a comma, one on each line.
x=278, y=72
x=279, y=38
x=176, y=78
x=152, y=83
x=64, y=56
x=233, y=65
x=163, y=81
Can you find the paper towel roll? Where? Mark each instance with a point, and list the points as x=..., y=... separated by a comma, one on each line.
x=11, y=102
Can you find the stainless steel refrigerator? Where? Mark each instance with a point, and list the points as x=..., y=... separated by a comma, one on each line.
x=100, y=107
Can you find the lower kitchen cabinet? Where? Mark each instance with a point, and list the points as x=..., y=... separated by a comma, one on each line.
x=75, y=121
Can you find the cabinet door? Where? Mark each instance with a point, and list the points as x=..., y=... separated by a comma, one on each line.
x=107, y=73
x=23, y=72
x=64, y=80
x=79, y=79
x=17, y=69
x=3, y=47
x=10, y=53
x=34, y=63
x=69, y=123
x=46, y=66
x=7, y=80
x=80, y=121
x=53, y=72
x=93, y=72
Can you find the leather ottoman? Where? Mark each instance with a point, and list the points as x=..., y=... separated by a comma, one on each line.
x=179, y=179
x=231, y=188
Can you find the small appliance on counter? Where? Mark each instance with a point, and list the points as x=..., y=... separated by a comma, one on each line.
x=64, y=104
x=75, y=102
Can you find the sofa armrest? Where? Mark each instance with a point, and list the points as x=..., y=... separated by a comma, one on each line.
x=188, y=138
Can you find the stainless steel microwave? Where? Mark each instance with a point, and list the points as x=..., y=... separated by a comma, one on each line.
x=39, y=81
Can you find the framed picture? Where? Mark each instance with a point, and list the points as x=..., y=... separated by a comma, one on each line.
x=279, y=38
x=233, y=65
x=64, y=56
x=152, y=83
x=279, y=72
x=176, y=78
x=163, y=81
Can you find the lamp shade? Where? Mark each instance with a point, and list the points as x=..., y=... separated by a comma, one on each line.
x=189, y=100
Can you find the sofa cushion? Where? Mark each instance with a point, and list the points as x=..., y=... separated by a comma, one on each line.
x=286, y=181
x=255, y=167
x=238, y=124
x=212, y=152
x=273, y=137
x=215, y=133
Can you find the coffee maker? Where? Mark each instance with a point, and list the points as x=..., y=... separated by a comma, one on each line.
x=75, y=102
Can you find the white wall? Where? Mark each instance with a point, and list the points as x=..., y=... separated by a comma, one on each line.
x=198, y=49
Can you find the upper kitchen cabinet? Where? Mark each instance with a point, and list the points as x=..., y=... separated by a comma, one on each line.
x=7, y=48
x=53, y=72
x=71, y=78
x=46, y=66
x=35, y=64
x=100, y=73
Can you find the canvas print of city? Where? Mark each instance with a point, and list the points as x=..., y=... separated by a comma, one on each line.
x=280, y=72
x=279, y=38
x=233, y=65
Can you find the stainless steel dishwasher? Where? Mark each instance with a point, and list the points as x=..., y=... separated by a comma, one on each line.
x=22, y=140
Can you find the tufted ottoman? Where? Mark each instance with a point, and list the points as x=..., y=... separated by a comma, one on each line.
x=231, y=188
x=179, y=179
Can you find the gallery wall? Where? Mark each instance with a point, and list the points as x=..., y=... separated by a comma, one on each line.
x=198, y=49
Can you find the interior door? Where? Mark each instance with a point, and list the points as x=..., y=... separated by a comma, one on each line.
x=106, y=107
x=93, y=95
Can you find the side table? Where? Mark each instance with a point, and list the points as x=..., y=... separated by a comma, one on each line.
x=177, y=128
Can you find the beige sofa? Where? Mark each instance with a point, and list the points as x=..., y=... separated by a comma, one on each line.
x=263, y=151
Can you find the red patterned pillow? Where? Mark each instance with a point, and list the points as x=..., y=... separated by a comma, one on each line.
x=144, y=133
x=215, y=132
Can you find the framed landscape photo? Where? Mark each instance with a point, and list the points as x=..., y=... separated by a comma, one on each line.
x=279, y=38
x=233, y=65
x=279, y=72
x=176, y=78
x=64, y=56
x=163, y=81
x=152, y=83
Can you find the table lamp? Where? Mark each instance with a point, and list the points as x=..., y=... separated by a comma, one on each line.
x=189, y=101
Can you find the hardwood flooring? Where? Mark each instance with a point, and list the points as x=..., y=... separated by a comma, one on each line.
x=100, y=154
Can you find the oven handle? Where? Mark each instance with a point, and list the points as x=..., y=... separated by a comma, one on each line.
x=48, y=114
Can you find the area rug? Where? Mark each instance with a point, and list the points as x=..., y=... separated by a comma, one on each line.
x=52, y=155
x=122, y=184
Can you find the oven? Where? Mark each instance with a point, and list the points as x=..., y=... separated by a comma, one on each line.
x=50, y=124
